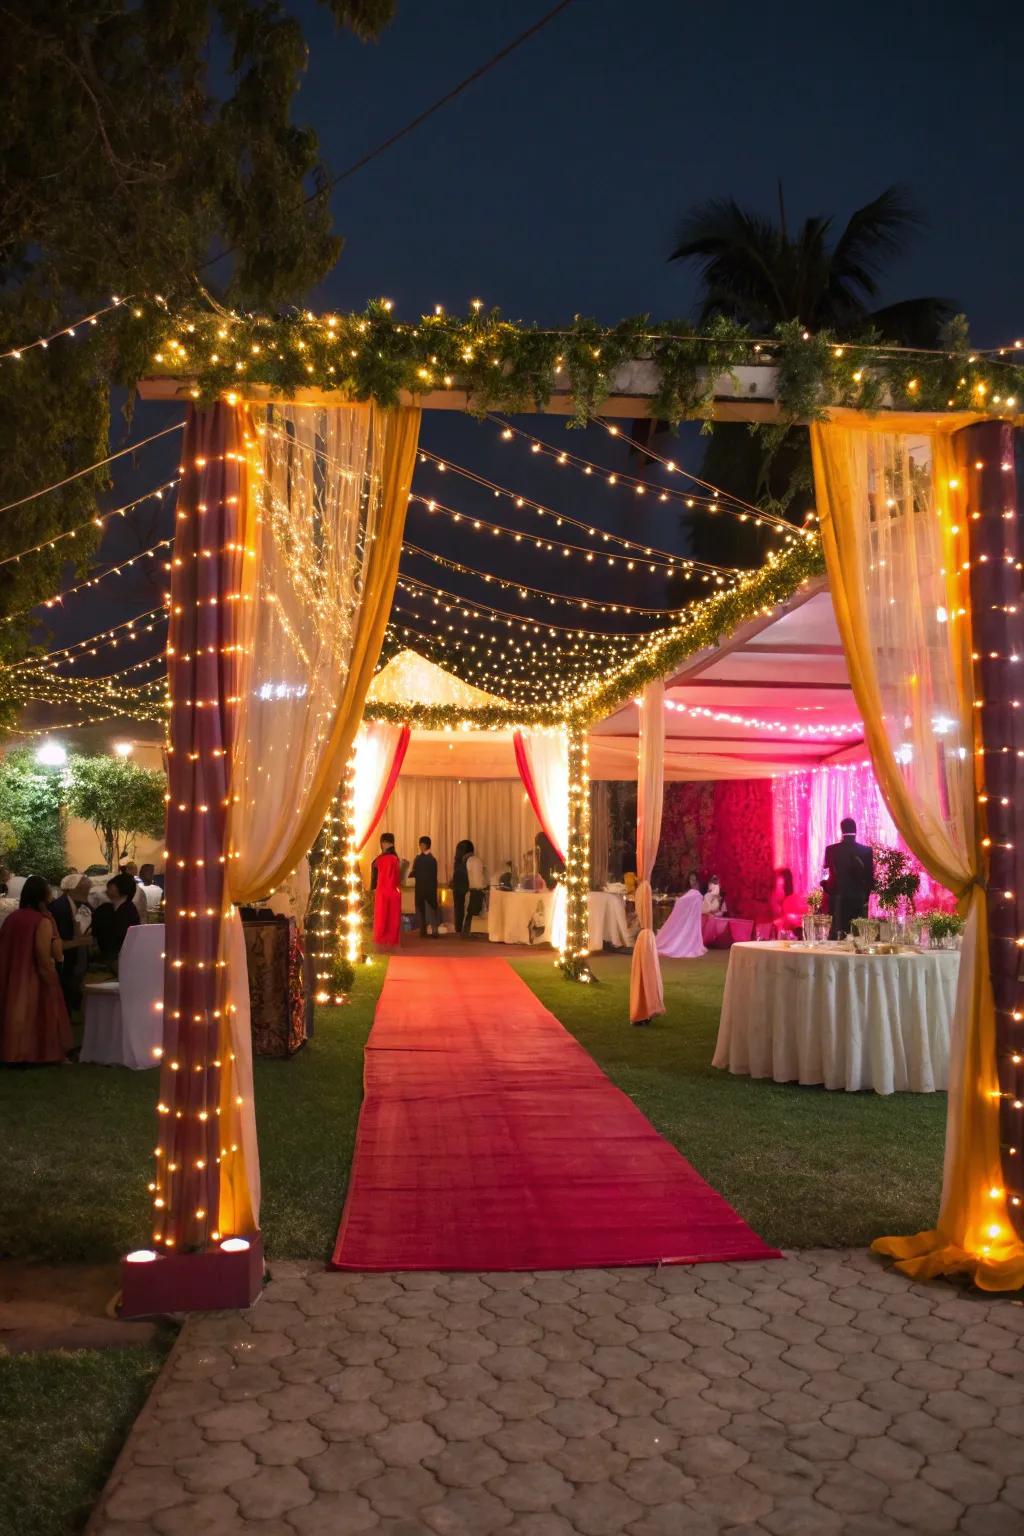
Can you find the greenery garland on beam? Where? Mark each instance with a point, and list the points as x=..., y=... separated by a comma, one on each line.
x=704, y=624
x=511, y=368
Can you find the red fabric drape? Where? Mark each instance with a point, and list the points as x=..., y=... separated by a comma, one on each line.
x=387, y=789
x=203, y=668
x=526, y=774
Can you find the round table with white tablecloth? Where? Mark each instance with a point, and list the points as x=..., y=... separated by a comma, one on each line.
x=829, y=1016
x=510, y=913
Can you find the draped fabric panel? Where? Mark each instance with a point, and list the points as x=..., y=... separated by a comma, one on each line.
x=894, y=529
x=495, y=814
x=807, y=808
x=289, y=531
x=646, y=993
x=542, y=758
x=330, y=488
x=207, y=1173
x=379, y=753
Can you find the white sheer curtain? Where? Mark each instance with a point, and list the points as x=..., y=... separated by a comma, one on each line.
x=377, y=747
x=646, y=993
x=495, y=814
x=543, y=759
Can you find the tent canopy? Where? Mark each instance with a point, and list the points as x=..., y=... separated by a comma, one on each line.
x=782, y=679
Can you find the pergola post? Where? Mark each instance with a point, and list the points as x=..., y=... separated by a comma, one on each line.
x=985, y=462
x=576, y=955
x=199, y=1156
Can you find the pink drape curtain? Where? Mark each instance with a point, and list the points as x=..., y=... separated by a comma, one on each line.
x=807, y=809
x=646, y=993
x=542, y=758
x=379, y=753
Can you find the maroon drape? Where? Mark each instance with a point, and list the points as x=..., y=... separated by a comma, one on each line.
x=202, y=666
x=985, y=463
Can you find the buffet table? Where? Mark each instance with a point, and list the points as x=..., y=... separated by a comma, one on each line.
x=510, y=913
x=830, y=1016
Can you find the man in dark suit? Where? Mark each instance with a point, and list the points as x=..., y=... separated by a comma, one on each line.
x=851, y=873
x=424, y=874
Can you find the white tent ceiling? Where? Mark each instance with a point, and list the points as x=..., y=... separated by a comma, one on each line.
x=784, y=680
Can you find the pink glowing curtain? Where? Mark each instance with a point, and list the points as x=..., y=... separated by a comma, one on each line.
x=807, y=809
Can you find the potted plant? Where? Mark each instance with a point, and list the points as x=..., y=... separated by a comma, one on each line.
x=896, y=884
x=944, y=929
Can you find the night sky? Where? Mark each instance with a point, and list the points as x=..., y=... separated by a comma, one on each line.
x=555, y=185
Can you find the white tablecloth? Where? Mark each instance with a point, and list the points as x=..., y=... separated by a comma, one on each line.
x=124, y=1019
x=509, y=914
x=845, y=1020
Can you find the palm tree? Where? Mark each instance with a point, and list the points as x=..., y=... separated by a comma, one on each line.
x=755, y=272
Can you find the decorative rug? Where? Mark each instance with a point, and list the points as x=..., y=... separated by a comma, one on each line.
x=490, y=1140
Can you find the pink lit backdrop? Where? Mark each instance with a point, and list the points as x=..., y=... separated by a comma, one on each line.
x=807, y=809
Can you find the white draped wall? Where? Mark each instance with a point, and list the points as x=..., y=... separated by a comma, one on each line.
x=494, y=813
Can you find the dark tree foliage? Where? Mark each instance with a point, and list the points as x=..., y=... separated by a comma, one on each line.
x=138, y=139
x=755, y=271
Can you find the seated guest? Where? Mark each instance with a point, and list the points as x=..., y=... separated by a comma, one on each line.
x=787, y=909
x=34, y=1024
x=111, y=921
x=153, y=892
x=507, y=878
x=714, y=901
x=72, y=914
x=693, y=881
x=549, y=865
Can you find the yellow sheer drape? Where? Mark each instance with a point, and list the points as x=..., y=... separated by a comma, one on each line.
x=330, y=489
x=895, y=542
x=321, y=523
x=646, y=991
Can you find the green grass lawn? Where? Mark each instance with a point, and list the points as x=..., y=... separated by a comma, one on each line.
x=63, y=1418
x=803, y=1166
x=76, y=1146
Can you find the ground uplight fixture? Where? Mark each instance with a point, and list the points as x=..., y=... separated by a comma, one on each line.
x=51, y=754
x=124, y=748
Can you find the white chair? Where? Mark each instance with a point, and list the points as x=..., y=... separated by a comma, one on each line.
x=680, y=937
x=124, y=1018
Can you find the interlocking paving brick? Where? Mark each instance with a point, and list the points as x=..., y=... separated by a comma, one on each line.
x=821, y=1394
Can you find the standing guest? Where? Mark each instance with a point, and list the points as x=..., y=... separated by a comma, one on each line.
x=460, y=881
x=111, y=921
x=424, y=875
x=153, y=892
x=72, y=914
x=851, y=874
x=138, y=894
x=549, y=865
x=387, y=898
x=476, y=880
x=34, y=1023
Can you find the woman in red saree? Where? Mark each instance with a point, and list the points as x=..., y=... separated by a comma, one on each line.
x=34, y=1023
x=387, y=897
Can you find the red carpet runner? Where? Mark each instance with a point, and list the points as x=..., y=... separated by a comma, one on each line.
x=490, y=1140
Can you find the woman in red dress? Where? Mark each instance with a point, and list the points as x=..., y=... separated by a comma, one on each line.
x=387, y=898
x=34, y=1023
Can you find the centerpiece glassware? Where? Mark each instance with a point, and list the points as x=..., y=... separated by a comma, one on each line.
x=816, y=924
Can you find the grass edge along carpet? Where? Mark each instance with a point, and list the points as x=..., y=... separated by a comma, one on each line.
x=490, y=1140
